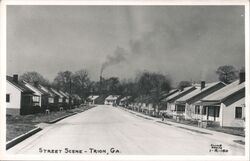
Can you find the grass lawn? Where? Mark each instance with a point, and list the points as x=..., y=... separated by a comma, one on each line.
x=18, y=125
x=228, y=130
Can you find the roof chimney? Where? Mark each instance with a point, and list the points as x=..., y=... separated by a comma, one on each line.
x=203, y=84
x=15, y=78
x=242, y=77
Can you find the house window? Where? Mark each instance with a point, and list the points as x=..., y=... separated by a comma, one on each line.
x=51, y=100
x=180, y=108
x=7, y=97
x=238, y=112
x=36, y=98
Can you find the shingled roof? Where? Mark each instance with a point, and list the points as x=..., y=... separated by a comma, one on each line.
x=179, y=94
x=225, y=92
x=20, y=85
x=198, y=91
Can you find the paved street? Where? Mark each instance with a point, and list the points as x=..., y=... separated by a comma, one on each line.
x=104, y=127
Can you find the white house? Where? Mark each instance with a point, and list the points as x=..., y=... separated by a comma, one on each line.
x=19, y=99
x=124, y=101
x=202, y=90
x=226, y=107
x=111, y=100
x=170, y=100
x=92, y=99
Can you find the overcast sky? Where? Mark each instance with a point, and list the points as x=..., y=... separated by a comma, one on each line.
x=185, y=42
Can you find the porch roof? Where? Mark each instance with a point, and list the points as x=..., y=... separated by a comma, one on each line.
x=208, y=103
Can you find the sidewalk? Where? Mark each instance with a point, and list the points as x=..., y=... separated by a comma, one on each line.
x=208, y=133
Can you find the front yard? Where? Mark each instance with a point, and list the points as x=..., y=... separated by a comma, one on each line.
x=228, y=130
x=18, y=125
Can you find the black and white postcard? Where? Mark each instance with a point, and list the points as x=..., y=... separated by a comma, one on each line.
x=124, y=80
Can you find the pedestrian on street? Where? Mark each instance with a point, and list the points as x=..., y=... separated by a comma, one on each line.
x=162, y=117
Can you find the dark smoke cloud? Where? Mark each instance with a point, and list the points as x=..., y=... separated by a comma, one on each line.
x=120, y=55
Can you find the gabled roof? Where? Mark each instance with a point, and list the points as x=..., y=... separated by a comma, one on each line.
x=20, y=85
x=112, y=97
x=125, y=98
x=34, y=89
x=43, y=91
x=144, y=99
x=180, y=93
x=198, y=91
x=163, y=96
x=56, y=92
x=75, y=96
x=93, y=97
x=64, y=94
x=46, y=90
x=225, y=92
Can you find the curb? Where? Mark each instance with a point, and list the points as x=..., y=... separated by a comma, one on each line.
x=22, y=137
x=60, y=118
x=179, y=125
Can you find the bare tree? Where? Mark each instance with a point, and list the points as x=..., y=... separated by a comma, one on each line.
x=81, y=83
x=32, y=77
x=149, y=82
x=184, y=84
x=63, y=81
x=227, y=73
x=153, y=84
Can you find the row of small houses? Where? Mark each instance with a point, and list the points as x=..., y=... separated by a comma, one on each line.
x=216, y=103
x=26, y=98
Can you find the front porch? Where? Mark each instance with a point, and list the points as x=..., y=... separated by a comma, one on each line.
x=208, y=115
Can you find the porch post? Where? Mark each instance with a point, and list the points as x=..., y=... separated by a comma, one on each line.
x=215, y=108
x=200, y=112
x=207, y=109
